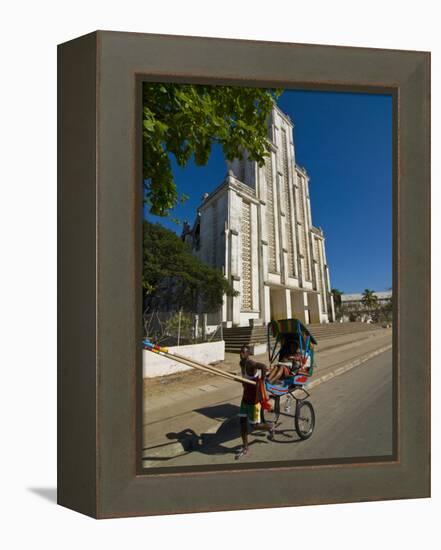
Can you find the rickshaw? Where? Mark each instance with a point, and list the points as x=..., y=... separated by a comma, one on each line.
x=283, y=337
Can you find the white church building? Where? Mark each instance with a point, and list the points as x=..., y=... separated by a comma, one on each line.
x=256, y=227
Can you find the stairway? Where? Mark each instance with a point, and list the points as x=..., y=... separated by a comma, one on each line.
x=330, y=330
x=238, y=336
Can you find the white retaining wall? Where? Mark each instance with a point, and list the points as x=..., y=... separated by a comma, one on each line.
x=155, y=365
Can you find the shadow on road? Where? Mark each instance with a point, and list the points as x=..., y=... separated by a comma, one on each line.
x=219, y=442
x=212, y=443
x=222, y=411
x=216, y=443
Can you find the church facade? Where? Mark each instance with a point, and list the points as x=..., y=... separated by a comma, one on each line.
x=256, y=227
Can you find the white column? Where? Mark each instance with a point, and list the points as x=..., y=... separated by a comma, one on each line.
x=236, y=301
x=267, y=304
x=331, y=303
x=235, y=276
x=227, y=270
x=288, y=303
x=305, y=307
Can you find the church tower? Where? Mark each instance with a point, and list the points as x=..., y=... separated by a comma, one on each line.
x=256, y=227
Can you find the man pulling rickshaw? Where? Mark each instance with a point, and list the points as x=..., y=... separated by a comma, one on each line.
x=253, y=400
x=291, y=359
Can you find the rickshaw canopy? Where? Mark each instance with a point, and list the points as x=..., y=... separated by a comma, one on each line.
x=291, y=326
x=290, y=330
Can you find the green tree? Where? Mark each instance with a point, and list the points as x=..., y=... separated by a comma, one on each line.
x=337, y=294
x=174, y=279
x=369, y=300
x=185, y=120
x=181, y=323
x=389, y=305
x=386, y=311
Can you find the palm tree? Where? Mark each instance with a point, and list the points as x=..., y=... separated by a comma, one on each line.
x=369, y=300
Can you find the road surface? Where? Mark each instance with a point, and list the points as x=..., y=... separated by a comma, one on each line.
x=353, y=419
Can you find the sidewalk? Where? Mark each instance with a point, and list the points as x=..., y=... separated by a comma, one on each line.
x=179, y=382
x=179, y=412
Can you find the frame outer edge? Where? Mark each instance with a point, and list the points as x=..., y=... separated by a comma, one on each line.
x=77, y=367
x=415, y=279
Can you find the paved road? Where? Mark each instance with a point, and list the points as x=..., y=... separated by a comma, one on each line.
x=192, y=407
x=353, y=419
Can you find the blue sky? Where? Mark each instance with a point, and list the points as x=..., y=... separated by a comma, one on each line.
x=344, y=140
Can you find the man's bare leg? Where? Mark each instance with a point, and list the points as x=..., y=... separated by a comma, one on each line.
x=275, y=374
x=244, y=433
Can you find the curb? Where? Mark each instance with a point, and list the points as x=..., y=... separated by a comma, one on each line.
x=348, y=366
x=177, y=448
x=171, y=450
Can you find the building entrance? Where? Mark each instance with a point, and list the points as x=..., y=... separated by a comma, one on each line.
x=278, y=306
x=299, y=306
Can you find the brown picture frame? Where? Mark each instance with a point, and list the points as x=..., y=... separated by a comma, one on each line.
x=100, y=215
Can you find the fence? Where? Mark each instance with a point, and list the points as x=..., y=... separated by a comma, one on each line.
x=180, y=328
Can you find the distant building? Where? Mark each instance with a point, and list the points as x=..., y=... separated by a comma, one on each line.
x=353, y=304
x=256, y=227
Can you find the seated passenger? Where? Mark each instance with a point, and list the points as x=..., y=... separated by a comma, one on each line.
x=290, y=362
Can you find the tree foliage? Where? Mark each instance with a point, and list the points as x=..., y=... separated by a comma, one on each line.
x=174, y=279
x=185, y=120
x=384, y=312
x=369, y=299
x=336, y=294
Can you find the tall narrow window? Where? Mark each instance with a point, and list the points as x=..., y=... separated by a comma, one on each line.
x=246, y=283
x=302, y=228
x=288, y=209
x=270, y=218
x=215, y=232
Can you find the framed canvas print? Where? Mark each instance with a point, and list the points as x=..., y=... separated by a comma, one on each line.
x=244, y=271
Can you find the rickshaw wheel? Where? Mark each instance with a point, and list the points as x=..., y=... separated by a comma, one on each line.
x=272, y=416
x=304, y=419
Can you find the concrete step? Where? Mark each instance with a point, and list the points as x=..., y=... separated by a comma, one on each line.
x=239, y=344
x=247, y=339
x=351, y=327
x=235, y=337
x=246, y=333
x=331, y=332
